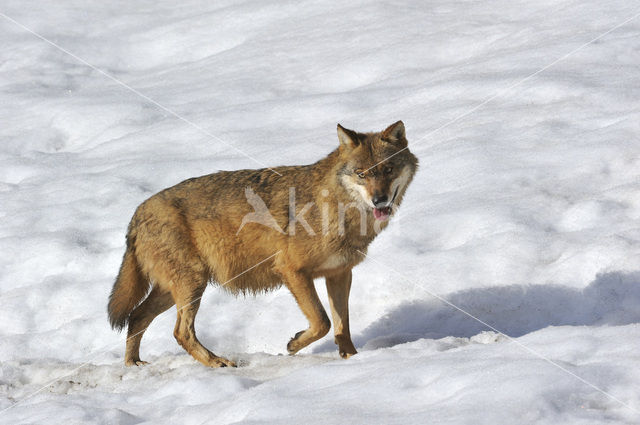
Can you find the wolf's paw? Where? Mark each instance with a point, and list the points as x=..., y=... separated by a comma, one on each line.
x=293, y=346
x=345, y=354
x=345, y=346
x=220, y=362
x=134, y=362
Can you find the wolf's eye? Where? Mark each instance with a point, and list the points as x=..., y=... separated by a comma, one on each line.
x=388, y=170
x=360, y=173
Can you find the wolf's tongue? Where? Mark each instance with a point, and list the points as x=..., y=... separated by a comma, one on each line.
x=381, y=213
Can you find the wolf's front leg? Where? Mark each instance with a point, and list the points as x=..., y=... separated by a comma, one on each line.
x=301, y=286
x=338, y=287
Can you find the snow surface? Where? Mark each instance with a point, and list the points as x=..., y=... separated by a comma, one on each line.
x=525, y=212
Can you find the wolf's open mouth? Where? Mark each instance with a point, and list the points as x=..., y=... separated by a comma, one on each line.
x=382, y=214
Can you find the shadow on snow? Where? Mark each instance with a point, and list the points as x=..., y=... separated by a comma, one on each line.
x=611, y=299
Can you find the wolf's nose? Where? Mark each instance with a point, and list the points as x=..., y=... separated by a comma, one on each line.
x=380, y=200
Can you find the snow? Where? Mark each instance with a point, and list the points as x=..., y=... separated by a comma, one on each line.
x=525, y=212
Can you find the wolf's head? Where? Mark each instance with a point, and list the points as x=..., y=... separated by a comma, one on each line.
x=377, y=167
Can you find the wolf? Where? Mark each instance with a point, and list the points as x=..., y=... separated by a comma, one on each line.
x=197, y=232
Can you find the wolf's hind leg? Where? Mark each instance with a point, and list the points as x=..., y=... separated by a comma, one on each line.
x=187, y=302
x=338, y=287
x=141, y=317
x=302, y=288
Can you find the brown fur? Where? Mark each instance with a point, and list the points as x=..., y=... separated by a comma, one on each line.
x=187, y=235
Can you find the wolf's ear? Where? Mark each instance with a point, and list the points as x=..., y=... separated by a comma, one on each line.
x=348, y=138
x=395, y=134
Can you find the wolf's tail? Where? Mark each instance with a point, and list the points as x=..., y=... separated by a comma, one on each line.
x=129, y=289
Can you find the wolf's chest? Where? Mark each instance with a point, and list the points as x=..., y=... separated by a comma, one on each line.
x=333, y=261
